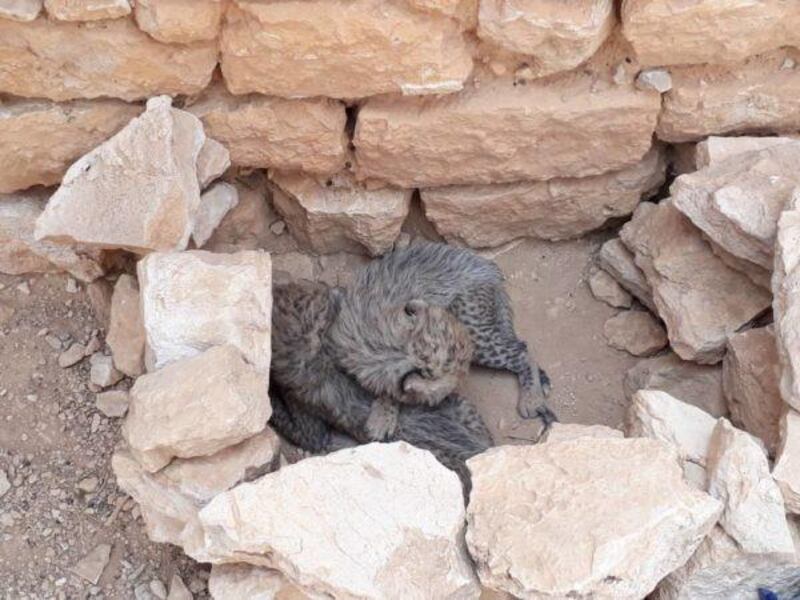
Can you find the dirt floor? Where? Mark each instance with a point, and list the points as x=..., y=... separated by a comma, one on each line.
x=53, y=439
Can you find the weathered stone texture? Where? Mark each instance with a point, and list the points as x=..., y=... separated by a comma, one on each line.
x=388, y=521
x=242, y=581
x=213, y=160
x=622, y=503
x=21, y=253
x=755, y=96
x=87, y=10
x=636, y=332
x=606, y=289
x=787, y=464
x=698, y=385
x=20, y=10
x=465, y=11
x=557, y=35
x=340, y=49
x=737, y=202
x=786, y=301
x=560, y=432
x=65, y=61
x=341, y=217
x=716, y=149
x=194, y=300
x=179, y=21
x=276, y=133
x=195, y=407
x=126, y=336
x=501, y=133
x=491, y=215
x=676, y=32
x=700, y=299
x=215, y=203
x=751, y=381
x=40, y=139
x=615, y=259
x=100, y=202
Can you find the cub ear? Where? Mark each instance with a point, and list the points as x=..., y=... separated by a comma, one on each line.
x=415, y=306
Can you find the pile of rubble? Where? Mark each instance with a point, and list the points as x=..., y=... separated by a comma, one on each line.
x=686, y=505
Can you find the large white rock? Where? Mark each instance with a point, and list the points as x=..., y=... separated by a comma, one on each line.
x=786, y=302
x=676, y=32
x=341, y=217
x=171, y=498
x=101, y=201
x=751, y=381
x=603, y=518
x=737, y=202
x=215, y=203
x=721, y=569
x=246, y=582
x=276, y=133
x=195, y=407
x=738, y=475
x=557, y=35
x=491, y=215
x=755, y=96
x=21, y=253
x=698, y=385
x=387, y=523
x=787, y=463
x=501, y=132
x=126, y=336
x=560, y=432
x=700, y=299
x=340, y=49
x=194, y=300
x=111, y=58
x=40, y=139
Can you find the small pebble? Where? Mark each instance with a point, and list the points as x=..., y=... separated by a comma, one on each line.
x=72, y=356
x=278, y=227
x=24, y=288
x=72, y=286
x=88, y=484
x=95, y=423
x=113, y=404
x=5, y=485
x=159, y=589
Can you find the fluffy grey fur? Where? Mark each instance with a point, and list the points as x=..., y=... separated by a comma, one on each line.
x=466, y=285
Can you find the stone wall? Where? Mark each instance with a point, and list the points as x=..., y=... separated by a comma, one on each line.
x=551, y=114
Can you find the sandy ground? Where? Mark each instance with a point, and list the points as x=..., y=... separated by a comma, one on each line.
x=52, y=437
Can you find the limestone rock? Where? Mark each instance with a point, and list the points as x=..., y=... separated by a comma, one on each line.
x=100, y=201
x=491, y=215
x=622, y=503
x=751, y=381
x=102, y=373
x=276, y=133
x=247, y=225
x=557, y=35
x=100, y=292
x=113, y=404
x=754, y=96
x=738, y=475
x=688, y=429
x=606, y=289
x=21, y=253
x=560, y=432
x=178, y=589
x=20, y=10
x=214, y=205
x=465, y=11
x=194, y=300
x=761, y=276
x=503, y=133
x=674, y=32
x=700, y=299
x=239, y=581
x=126, y=336
x=171, y=498
x=715, y=149
x=721, y=569
x=340, y=49
x=341, y=217
x=179, y=21
x=40, y=139
x=698, y=385
x=65, y=61
x=91, y=566
x=737, y=202
x=635, y=332
x=379, y=510
x=787, y=464
x=654, y=79
x=786, y=302
x=619, y=262
x=87, y=10
x=213, y=160
x=195, y=407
